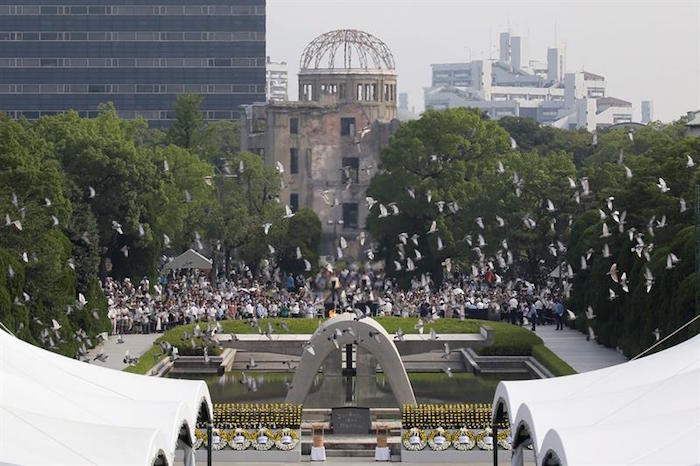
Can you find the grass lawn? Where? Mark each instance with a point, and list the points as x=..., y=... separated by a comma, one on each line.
x=146, y=361
x=551, y=361
x=509, y=339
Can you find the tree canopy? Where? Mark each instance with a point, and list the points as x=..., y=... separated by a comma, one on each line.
x=457, y=192
x=85, y=198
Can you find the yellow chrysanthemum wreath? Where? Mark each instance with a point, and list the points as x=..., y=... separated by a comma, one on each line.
x=463, y=439
x=262, y=439
x=414, y=439
x=504, y=441
x=484, y=439
x=439, y=439
x=200, y=438
x=286, y=439
x=221, y=434
x=238, y=439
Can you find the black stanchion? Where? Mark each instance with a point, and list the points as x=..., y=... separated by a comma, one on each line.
x=209, y=434
x=495, y=443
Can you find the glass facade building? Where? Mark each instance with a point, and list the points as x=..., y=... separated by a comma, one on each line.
x=57, y=55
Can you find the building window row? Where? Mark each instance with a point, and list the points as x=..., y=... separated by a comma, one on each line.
x=165, y=10
x=151, y=62
x=131, y=88
x=128, y=36
x=128, y=114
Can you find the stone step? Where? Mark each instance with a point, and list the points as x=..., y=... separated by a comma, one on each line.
x=350, y=453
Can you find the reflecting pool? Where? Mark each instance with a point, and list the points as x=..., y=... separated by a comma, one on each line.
x=372, y=392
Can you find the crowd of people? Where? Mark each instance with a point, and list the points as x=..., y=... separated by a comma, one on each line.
x=187, y=296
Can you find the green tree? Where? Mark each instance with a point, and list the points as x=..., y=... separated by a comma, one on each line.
x=303, y=231
x=188, y=127
x=628, y=321
x=530, y=135
x=248, y=191
x=221, y=141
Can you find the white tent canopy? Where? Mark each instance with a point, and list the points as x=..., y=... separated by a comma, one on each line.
x=91, y=405
x=574, y=418
x=189, y=259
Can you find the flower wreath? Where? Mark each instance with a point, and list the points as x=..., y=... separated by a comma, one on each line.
x=262, y=439
x=238, y=439
x=286, y=439
x=222, y=439
x=504, y=440
x=439, y=439
x=484, y=439
x=200, y=438
x=414, y=439
x=463, y=439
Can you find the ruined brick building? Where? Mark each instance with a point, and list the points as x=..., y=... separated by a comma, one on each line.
x=329, y=140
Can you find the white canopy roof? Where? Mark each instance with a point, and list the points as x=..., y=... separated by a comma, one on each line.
x=649, y=394
x=69, y=394
x=189, y=259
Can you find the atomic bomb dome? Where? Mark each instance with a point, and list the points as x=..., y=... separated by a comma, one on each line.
x=348, y=65
x=350, y=48
x=329, y=140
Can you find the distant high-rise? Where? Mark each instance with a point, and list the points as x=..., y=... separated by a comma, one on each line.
x=504, y=43
x=555, y=64
x=517, y=86
x=277, y=80
x=647, y=111
x=57, y=55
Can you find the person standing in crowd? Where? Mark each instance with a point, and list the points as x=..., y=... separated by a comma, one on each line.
x=559, y=311
x=533, y=315
x=513, y=307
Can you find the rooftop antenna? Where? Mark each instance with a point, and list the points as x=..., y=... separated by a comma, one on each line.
x=490, y=44
x=556, y=42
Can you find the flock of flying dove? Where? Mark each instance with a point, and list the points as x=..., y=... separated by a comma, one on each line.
x=50, y=335
x=504, y=258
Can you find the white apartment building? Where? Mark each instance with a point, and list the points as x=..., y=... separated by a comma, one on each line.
x=516, y=86
x=276, y=80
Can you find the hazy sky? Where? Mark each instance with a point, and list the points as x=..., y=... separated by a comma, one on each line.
x=645, y=49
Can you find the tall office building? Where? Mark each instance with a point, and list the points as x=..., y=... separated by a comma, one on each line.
x=57, y=55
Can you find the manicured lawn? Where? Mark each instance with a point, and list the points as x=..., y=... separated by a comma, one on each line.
x=551, y=361
x=146, y=361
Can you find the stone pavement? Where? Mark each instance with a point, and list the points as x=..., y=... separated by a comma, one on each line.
x=483, y=459
x=571, y=346
x=137, y=344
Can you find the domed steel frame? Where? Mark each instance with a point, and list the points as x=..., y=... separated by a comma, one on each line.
x=360, y=50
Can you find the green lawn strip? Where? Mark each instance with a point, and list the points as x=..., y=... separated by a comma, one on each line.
x=551, y=361
x=510, y=340
x=146, y=361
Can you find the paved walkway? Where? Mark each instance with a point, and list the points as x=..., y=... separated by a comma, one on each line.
x=476, y=458
x=136, y=344
x=571, y=346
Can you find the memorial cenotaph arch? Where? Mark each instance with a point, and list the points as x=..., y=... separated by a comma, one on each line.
x=367, y=334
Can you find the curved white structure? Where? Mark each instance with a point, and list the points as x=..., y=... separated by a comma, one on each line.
x=56, y=400
x=367, y=334
x=613, y=415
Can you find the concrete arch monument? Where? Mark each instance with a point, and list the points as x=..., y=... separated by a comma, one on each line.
x=366, y=334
